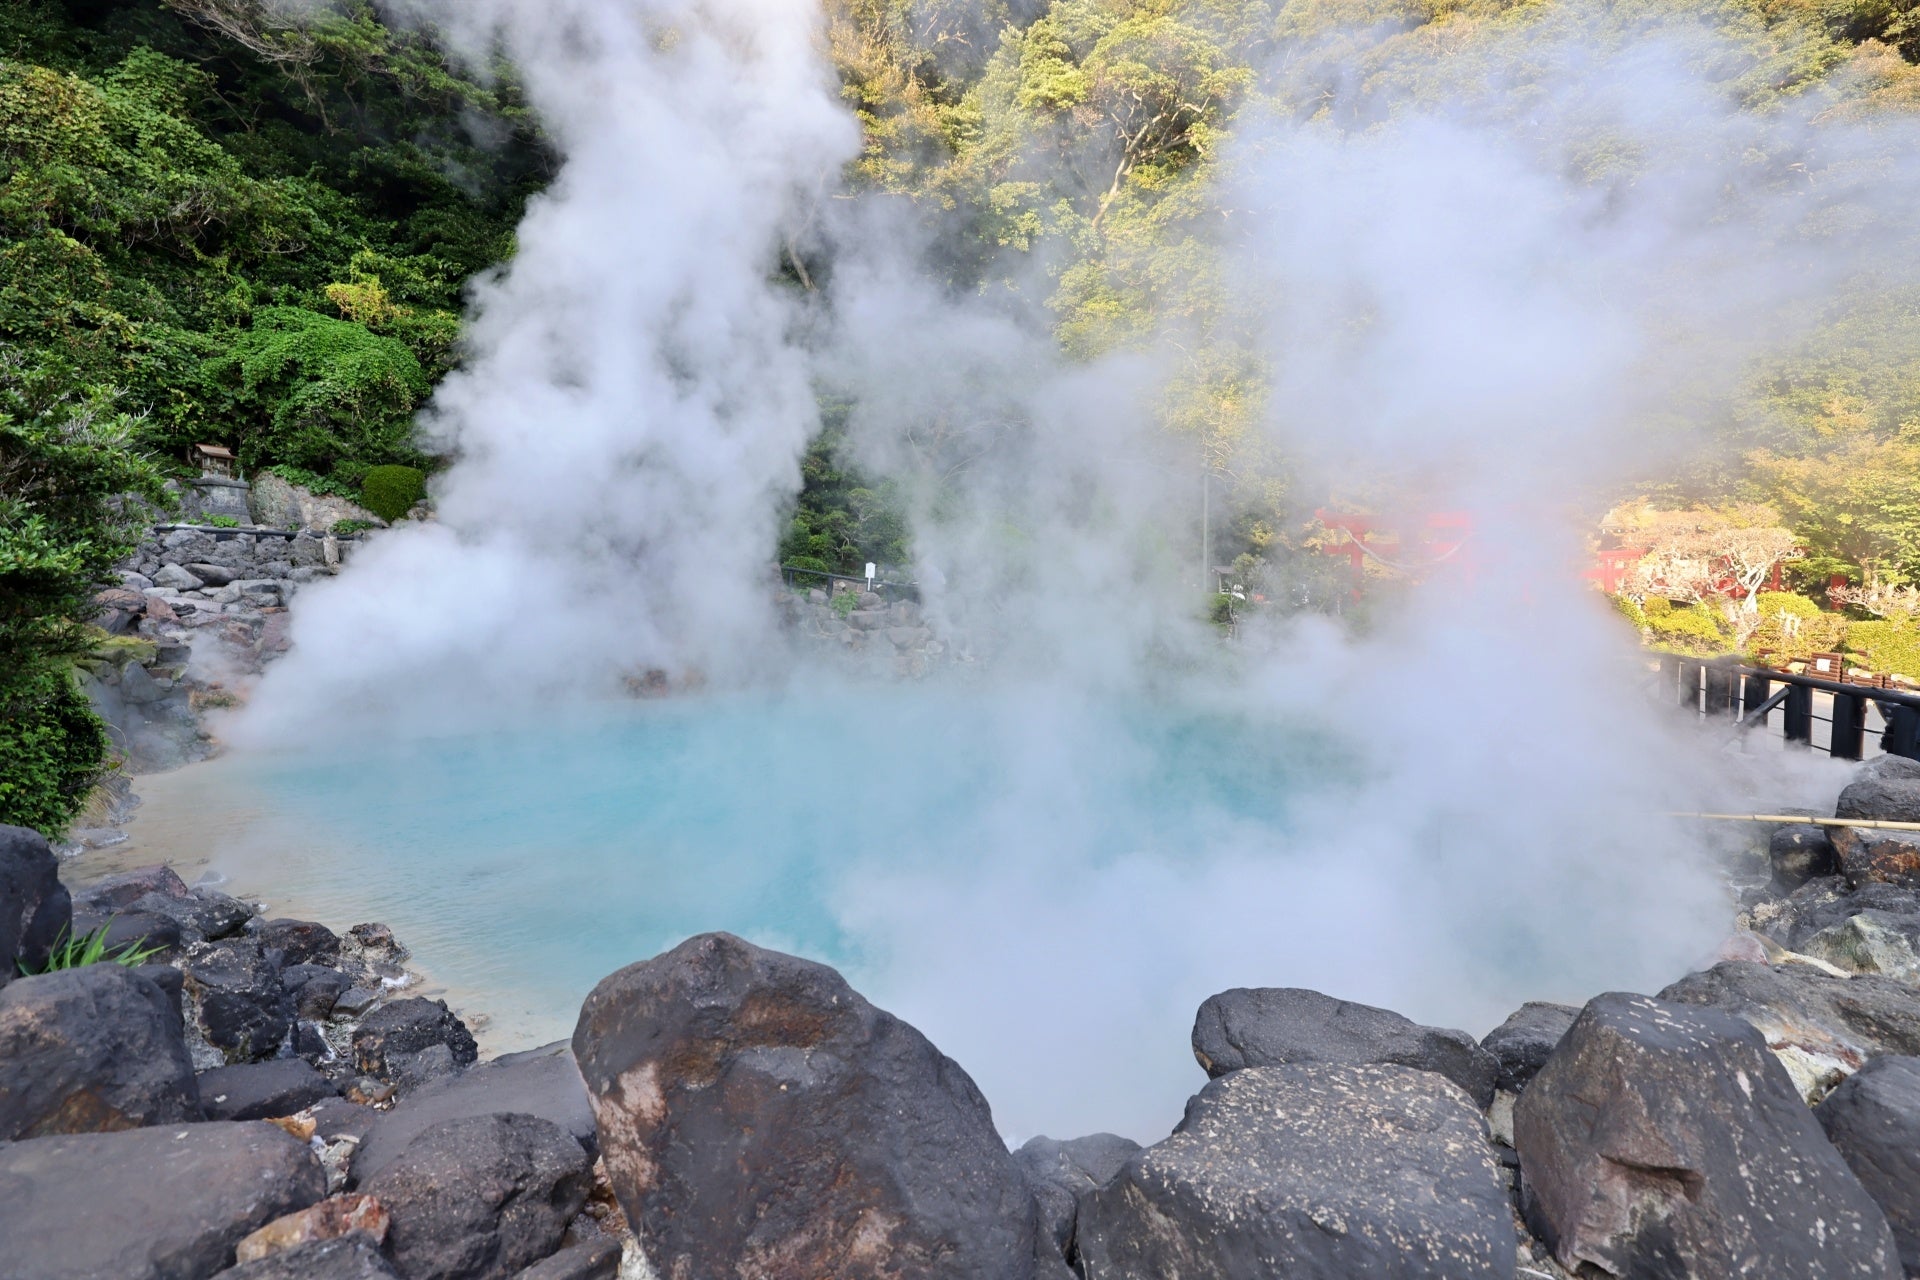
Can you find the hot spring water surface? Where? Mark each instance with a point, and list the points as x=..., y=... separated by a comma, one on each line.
x=1046, y=887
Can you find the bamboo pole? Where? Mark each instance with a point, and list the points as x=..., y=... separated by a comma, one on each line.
x=1800, y=820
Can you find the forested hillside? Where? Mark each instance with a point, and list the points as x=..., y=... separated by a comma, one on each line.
x=218, y=224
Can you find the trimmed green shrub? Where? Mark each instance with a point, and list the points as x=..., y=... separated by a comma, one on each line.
x=1886, y=646
x=390, y=492
x=1695, y=630
x=1793, y=626
x=1626, y=608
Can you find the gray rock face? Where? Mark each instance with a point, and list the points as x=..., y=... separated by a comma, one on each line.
x=348, y=1257
x=480, y=1198
x=1873, y=1119
x=1798, y=854
x=1271, y=1026
x=34, y=907
x=262, y=1090
x=1886, y=788
x=177, y=577
x=593, y=1260
x=541, y=1082
x=212, y=575
x=1822, y=1027
x=1827, y=901
x=165, y=1203
x=238, y=1001
x=1062, y=1172
x=1523, y=1042
x=390, y=1042
x=119, y=892
x=756, y=1115
x=1662, y=1141
x=1875, y=942
x=1314, y=1172
x=91, y=1049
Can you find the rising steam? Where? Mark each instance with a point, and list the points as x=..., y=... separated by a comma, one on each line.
x=1506, y=303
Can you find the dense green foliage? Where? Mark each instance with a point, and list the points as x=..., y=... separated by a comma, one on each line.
x=71, y=493
x=390, y=492
x=265, y=252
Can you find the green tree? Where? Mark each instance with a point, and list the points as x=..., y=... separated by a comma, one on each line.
x=72, y=495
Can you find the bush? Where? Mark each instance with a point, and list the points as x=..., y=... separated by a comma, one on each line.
x=390, y=492
x=1793, y=626
x=1886, y=646
x=1626, y=608
x=53, y=748
x=1695, y=630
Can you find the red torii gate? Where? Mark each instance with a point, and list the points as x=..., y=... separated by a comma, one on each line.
x=1442, y=535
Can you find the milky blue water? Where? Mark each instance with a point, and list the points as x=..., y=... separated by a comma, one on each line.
x=945, y=848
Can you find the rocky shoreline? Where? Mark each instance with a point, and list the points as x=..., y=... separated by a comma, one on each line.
x=265, y=1098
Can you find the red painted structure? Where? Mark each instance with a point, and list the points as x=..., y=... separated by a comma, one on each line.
x=1438, y=539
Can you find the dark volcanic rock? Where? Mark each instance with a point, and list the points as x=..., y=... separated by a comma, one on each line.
x=131, y=931
x=388, y=1041
x=1873, y=1118
x=315, y=989
x=541, y=1082
x=119, y=892
x=166, y=1203
x=262, y=1090
x=1521, y=1043
x=238, y=1000
x=756, y=1115
x=1665, y=1141
x=1062, y=1172
x=90, y=1049
x=1314, y=1172
x=204, y=915
x=172, y=984
x=1889, y=857
x=349, y=1257
x=1886, y=789
x=482, y=1197
x=1800, y=853
x=300, y=941
x=1822, y=1027
x=597, y=1259
x=1270, y=1026
x=34, y=907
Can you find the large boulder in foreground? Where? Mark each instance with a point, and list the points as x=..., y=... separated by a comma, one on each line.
x=34, y=907
x=757, y=1116
x=1873, y=1118
x=1662, y=1141
x=1312, y=1172
x=1271, y=1026
x=481, y=1198
x=166, y=1203
x=1821, y=1027
x=88, y=1050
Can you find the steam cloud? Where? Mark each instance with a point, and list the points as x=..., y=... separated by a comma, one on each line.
x=1449, y=304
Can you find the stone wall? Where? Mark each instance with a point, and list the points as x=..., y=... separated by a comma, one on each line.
x=197, y=614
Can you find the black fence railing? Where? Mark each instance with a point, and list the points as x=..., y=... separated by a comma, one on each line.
x=1759, y=697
